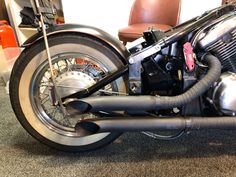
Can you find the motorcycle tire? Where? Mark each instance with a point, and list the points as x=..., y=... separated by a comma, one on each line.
x=26, y=105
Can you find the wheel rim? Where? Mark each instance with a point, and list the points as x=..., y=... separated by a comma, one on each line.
x=40, y=109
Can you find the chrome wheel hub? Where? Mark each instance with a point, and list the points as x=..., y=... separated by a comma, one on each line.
x=73, y=81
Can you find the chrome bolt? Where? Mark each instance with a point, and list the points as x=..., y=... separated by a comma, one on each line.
x=131, y=61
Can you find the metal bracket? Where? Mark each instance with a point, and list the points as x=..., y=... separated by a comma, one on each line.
x=135, y=65
x=135, y=79
x=142, y=54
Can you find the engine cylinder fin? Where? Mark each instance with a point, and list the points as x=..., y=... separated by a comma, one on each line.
x=215, y=46
x=225, y=50
x=227, y=47
x=227, y=56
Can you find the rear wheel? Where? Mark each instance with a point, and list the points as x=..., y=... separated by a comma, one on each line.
x=78, y=62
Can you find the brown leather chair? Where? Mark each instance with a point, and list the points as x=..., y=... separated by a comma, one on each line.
x=228, y=1
x=145, y=14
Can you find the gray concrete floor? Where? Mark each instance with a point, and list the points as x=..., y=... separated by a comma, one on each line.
x=206, y=153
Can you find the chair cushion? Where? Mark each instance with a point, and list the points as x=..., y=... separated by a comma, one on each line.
x=135, y=31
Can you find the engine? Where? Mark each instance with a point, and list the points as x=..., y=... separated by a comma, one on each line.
x=220, y=40
x=223, y=97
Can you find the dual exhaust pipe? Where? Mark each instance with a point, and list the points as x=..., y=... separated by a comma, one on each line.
x=151, y=103
x=137, y=124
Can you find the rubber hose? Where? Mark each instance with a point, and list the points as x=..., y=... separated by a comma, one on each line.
x=197, y=90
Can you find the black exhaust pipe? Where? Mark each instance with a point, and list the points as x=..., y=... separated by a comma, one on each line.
x=150, y=103
x=127, y=124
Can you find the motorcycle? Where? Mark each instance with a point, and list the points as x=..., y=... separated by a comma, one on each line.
x=76, y=88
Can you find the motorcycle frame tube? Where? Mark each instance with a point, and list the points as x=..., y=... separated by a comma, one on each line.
x=211, y=15
x=180, y=31
x=105, y=81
